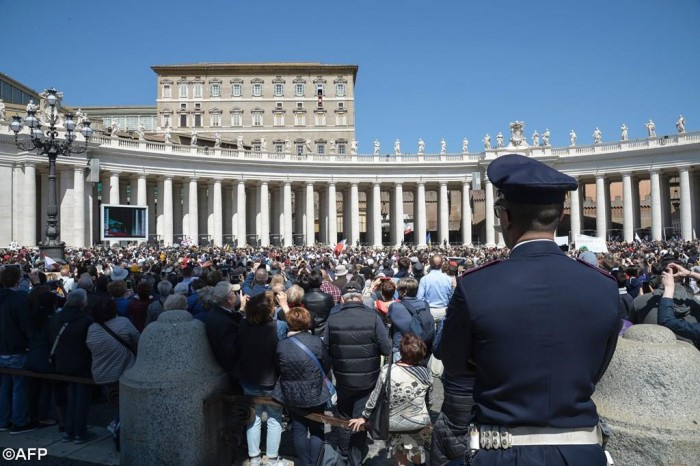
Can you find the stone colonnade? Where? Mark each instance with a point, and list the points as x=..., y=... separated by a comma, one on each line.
x=231, y=209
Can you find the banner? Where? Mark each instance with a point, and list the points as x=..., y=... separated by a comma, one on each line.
x=593, y=243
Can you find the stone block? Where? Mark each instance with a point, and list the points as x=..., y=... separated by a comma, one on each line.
x=648, y=397
x=168, y=408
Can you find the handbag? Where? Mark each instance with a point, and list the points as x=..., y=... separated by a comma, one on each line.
x=117, y=337
x=379, y=419
x=330, y=404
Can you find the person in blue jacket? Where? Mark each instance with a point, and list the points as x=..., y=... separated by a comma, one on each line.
x=667, y=315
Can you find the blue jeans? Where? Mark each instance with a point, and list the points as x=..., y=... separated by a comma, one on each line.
x=77, y=409
x=14, y=392
x=274, y=426
x=308, y=437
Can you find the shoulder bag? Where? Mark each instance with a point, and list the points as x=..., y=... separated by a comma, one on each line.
x=117, y=337
x=379, y=419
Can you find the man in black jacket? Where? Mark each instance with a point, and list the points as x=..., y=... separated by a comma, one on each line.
x=222, y=329
x=318, y=303
x=355, y=338
x=72, y=357
x=14, y=344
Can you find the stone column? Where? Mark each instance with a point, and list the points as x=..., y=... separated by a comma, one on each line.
x=104, y=194
x=167, y=200
x=354, y=214
x=30, y=205
x=218, y=236
x=114, y=198
x=420, y=216
x=627, y=208
x=656, y=233
x=601, y=222
x=575, y=212
x=288, y=231
x=686, y=213
x=310, y=216
x=466, y=215
x=322, y=216
x=490, y=219
x=66, y=207
x=444, y=225
x=193, y=211
x=79, y=203
x=152, y=212
x=398, y=214
x=332, y=215
x=636, y=211
x=141, y=197
x=264, y=193
x=241, y=214
x=178, y=209
x=377, y=215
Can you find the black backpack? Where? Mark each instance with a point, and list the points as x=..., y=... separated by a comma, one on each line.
x=422, y=322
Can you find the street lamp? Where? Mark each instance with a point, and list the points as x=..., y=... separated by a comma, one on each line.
x=52, y=147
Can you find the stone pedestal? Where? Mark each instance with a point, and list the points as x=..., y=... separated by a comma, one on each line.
x=166, y=409
x=649, y=398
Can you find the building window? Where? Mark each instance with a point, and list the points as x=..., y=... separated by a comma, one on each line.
x=341, y=148
x=257, y=89
x=198, y=90
x=197, y=106
x=216, y=90
x=300, y=148
x=183, y=90
x=320, y=89
x=236, y=119
x=183, y=106
x=279, y=119
x=216, y=119
x=257, y=119
x=279, y=89
x=341, y=119
x=197, y=120
x=166, y=91
x=236, y=90
x=320, y=148
x=183, y=120
x=165, y=120
x=299, y=89
x=279, y=147
x=320, y=119
x=299, y=119
x=340, y=90
x=256, y=146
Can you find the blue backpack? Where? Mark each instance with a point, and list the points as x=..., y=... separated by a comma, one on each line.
x=422, y=322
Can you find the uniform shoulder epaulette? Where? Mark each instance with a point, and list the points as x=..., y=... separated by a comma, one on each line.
x=597, y=269
x=481, y=267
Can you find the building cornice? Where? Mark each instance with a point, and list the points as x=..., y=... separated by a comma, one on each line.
x=254, y=68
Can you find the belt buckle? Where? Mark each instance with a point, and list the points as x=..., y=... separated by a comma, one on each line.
x=485, y=437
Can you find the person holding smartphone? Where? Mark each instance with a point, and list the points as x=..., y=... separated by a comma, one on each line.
x=669, y=316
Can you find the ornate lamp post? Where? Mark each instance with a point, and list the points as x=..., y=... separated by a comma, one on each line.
x=51, y=146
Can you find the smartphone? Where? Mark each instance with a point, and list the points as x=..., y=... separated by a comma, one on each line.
x=128, y=284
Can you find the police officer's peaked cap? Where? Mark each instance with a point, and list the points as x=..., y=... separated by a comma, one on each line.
x=524, y=180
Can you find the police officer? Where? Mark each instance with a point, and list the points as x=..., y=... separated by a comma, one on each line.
x=540, y=329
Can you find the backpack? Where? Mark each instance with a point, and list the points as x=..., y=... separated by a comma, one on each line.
x=422, y=322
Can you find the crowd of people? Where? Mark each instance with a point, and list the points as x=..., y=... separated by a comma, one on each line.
x=305, y=325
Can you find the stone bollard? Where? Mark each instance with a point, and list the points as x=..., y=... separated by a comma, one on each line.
x=649, y=398
x=164, y=417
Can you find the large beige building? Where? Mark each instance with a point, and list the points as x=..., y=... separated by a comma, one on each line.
x=297, y=108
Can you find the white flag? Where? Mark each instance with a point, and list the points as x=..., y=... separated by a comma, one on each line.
x=48, y=262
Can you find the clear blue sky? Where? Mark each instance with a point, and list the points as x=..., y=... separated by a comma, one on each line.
x=426, y=69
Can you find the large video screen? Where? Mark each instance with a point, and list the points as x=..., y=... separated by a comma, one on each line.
x=124, y=223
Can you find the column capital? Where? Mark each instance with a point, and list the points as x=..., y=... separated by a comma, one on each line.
x=626, y=173
x=600, y=176
x=655, y=171
x=263, y=182
x=28, y=163
x=443, y=183
x=683, y=169
x=76, y=169
x=141, y=176
x=114, y=173
x=309, y=183
x=217, y=180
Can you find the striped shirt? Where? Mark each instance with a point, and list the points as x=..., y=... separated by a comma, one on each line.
x=109, y=357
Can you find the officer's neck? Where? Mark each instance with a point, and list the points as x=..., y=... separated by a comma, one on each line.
x=532, y=235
